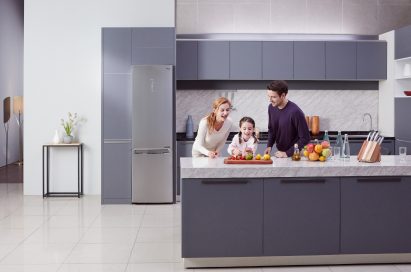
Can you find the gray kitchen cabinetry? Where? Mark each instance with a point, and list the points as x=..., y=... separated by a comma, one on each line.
x=402, y=113
x=403, y=42
x=116, y=173
x=186, y=67
x=116, y=50
x=278, y=60
x=246, y=60
x=375, y=215
x=301, y=216
x=341, y=60
x=309, y=60
x=183, y=150
x=222, y=218
x=213, y=60
x=117, y=106
x=153, y=45
x=371, y=60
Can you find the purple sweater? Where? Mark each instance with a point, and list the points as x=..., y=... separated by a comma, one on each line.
x=286, y=127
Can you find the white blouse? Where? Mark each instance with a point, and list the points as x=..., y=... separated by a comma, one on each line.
x=244, y=144
x=214, y=141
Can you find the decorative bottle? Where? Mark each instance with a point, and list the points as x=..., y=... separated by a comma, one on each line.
x=56, y=138
x=326, y=137
x=189, y=127
x=296, y=155
x=345, y=153
x=339, y=141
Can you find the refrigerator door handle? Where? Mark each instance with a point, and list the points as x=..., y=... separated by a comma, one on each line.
x=151, y=150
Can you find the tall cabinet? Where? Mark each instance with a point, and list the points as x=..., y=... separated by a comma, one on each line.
x=122, y=48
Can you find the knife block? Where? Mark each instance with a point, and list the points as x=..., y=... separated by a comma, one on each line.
x=375, y=156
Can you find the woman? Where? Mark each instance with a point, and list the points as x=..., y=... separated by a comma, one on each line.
x=213, y=130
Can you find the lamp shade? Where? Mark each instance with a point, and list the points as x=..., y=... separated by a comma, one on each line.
x=18, y=104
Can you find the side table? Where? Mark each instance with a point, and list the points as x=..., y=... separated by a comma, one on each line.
x=46, y=167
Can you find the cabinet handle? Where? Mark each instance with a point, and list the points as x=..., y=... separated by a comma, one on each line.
x=379, y=180
x=218, y=182
x=302, y=181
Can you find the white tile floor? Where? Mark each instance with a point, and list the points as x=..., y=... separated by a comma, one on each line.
x=76, y=235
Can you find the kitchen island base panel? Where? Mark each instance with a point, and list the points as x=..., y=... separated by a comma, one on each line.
x=339, y=259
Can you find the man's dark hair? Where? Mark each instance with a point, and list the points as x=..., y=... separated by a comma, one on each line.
x=278, y=86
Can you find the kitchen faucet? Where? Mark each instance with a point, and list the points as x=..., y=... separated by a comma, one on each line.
x=363, y=119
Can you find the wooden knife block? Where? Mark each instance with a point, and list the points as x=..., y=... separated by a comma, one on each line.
x=376, y=153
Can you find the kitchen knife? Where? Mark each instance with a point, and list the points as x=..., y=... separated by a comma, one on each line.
x=363, y=147
x=372, y=148
x=367, y=148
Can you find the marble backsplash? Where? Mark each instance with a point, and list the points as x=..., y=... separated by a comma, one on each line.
x=338, y=109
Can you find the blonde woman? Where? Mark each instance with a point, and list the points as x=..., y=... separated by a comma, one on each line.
x=213, y=130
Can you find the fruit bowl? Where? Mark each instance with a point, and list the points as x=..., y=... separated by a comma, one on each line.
x=317, y=152
x=407, y=93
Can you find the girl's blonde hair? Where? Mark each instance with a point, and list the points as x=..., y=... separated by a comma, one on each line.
x=212, y=118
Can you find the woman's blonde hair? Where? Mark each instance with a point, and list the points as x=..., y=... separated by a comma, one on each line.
x=212, y=118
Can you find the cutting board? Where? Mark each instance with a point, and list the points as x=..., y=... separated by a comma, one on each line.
x=227, y=161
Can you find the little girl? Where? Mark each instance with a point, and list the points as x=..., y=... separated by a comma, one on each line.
x=245, y=140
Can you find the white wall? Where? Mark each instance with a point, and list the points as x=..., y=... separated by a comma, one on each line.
x=62, y=72
x=387, y=90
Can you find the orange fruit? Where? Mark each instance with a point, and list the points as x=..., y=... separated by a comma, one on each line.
x=318, y=148
x=313, y=156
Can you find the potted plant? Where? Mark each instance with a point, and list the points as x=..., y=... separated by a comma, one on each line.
x=68, y=127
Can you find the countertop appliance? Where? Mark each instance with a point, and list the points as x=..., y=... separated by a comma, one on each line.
x=152, y=152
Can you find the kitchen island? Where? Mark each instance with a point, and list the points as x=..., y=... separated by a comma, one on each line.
x=295, y=213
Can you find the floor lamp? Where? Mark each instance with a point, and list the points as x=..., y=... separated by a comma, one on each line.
x=6, y=118
x=18, y=112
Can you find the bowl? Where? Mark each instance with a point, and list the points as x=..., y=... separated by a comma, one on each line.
x=407, y=93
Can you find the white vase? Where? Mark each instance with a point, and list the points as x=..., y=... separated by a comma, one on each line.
x=56, y=138
x=67, y=139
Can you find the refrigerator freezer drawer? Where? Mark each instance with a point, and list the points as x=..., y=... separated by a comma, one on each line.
x=152, y=178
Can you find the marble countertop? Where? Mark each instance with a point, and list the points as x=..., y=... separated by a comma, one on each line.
x=215, y=168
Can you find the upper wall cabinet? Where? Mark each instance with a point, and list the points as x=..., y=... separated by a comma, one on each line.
x=116, y=50
x=213, y=60
x=245, y=60
x=403, y=42
x=340, y=60
x=278, y=60
x=309, y=60
x=186, y=67
x=153, y=45
x=371, y=60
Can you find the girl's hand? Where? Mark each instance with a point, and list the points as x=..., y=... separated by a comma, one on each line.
x=236, y=151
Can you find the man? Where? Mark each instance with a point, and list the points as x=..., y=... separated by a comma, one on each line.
x=286, y=122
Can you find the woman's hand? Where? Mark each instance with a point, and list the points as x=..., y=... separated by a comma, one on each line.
x=212, y=154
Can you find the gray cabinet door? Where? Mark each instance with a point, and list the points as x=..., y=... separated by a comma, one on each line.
x=402, y=109
x=116, y=50
x=309, y=60
x=246, y=60
x=278, y=60
x=375, y=215
x=117, y=106
x=301, y=216
x=186, y=60
x=153, y=45
x=222, y=218
x=403, y=42
x=183, y=150
x=213, y=60
x=371, y=60
x=116, y=173
x=341, y=60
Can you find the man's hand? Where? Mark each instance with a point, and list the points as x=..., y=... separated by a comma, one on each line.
x=267, y=150
x=280, y=154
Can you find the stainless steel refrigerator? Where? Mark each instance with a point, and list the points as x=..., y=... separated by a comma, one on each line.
x=153, y=129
